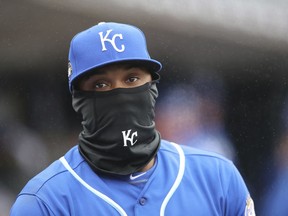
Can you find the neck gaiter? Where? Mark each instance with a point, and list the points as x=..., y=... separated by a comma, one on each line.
x=119, y=135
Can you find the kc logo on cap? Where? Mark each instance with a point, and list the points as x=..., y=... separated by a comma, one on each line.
x=112, y=40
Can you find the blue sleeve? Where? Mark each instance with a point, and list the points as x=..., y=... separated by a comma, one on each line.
x=238, y=200
x=29, y=205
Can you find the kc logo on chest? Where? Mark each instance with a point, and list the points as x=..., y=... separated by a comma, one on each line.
x=111, y=38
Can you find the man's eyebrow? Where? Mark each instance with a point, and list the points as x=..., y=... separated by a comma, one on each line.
x=129, y=66
x=95, y=72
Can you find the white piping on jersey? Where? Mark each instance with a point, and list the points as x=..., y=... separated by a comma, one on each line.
x=97, y=193
x=117, y=207
x=177, y=180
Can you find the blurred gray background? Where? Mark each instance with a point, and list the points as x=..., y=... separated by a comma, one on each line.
x=229, y=55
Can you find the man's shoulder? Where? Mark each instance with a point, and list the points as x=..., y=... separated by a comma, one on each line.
x=51, y=176
x=197, y=159
x=203, y=166
x=191, y=152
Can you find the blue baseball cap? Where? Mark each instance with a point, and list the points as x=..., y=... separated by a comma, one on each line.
x=108, y=43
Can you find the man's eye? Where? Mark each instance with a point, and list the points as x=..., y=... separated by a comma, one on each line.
x=100, y=85
x=132, y=79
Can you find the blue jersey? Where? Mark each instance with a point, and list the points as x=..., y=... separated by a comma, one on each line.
x=184, y=181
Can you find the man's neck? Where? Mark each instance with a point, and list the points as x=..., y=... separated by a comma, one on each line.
x=149, y=165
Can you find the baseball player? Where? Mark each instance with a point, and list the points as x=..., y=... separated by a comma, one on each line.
x=121, y=166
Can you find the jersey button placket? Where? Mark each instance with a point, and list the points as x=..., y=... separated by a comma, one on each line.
x=142, y=201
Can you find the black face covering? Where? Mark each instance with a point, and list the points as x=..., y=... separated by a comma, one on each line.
x=119, y=135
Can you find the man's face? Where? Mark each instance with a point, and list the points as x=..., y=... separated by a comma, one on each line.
x=115, y=76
